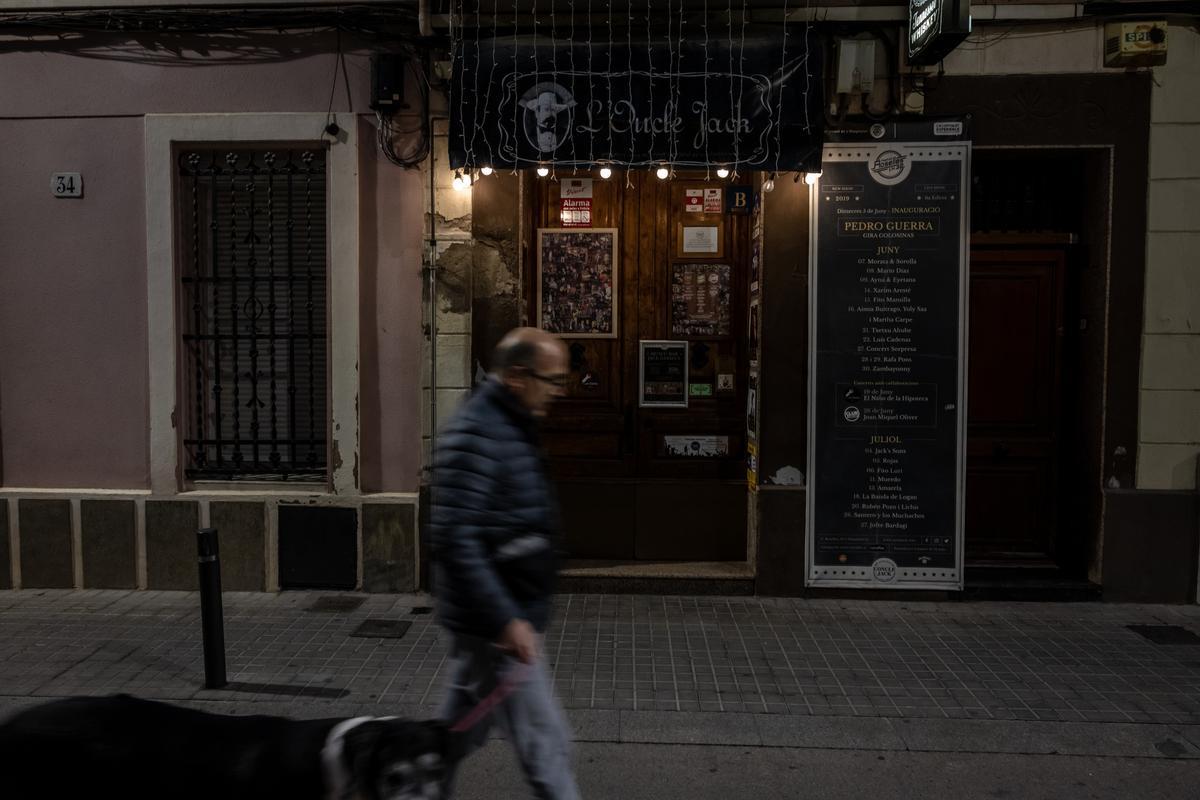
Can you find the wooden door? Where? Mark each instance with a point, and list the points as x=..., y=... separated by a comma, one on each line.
x=625, y=495
x=1016, y=318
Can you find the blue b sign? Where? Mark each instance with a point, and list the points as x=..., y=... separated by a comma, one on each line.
x=737, y=200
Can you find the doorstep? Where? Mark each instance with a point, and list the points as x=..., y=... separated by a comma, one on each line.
x=586, y=576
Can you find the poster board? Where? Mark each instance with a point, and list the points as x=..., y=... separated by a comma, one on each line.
x=577, y=282
x=701, y=300
x=887, y=359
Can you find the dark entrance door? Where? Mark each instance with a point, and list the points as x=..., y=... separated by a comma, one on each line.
x=626, y=493
x=1014, y=389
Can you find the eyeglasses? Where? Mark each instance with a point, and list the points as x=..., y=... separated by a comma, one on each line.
x=559, y=381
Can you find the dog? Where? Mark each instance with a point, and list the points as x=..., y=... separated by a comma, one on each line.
x=128, y=747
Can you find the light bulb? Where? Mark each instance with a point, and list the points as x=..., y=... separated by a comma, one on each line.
x=457, y=183
x=722, y=172
x=605, y=172
x=467, y=179
x=811, y=178
x=663, y=173
x=543, y=172
x=769, y=183
x=486, y=170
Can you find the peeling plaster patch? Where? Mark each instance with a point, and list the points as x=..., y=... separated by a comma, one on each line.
x=787, y=476
x=493, y=275
x=336, y=458
x=454, y=276
x=462, y=223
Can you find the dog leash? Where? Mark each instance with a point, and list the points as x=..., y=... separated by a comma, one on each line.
x=495, y=698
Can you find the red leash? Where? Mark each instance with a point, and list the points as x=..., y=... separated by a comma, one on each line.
x=502, y=690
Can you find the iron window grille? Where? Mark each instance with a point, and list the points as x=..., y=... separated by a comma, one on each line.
x=254, y=274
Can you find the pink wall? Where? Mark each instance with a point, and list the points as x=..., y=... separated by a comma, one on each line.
x=73, y=339
x=390, y=294
x=70, y=85
x=73, y=401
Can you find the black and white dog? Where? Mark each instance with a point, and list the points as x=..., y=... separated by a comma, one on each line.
x=127, y=747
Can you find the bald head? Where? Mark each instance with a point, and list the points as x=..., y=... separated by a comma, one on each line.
x=533, y=365
x=523, y=348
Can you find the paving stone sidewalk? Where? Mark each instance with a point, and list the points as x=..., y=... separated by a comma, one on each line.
x=768, y=656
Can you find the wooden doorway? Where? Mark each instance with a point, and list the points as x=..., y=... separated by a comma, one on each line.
x=625, y=495
x=1014, y=395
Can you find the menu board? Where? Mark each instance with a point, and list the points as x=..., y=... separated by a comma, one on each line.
x=663, y=370
x=700, y=300
x=887, y=410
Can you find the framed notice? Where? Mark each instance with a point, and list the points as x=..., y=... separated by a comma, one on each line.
x=698, y=241
x=662, y=374
x=700, y=300
x=577, y=282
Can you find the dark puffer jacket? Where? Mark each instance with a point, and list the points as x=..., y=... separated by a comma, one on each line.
x=493, y=517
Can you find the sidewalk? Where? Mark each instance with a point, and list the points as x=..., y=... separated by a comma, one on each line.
x=882, y=675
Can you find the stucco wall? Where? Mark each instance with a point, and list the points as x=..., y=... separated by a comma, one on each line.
x=73, y=319
x=1169, y=417
x=390, y=251
x=73, y=400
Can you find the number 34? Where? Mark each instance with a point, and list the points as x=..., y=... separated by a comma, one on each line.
x=66, y=184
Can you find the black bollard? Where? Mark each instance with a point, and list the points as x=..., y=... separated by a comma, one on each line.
x=212, y=619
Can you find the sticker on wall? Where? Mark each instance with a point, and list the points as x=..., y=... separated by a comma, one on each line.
x=737, y=200
x=696, y=446
x=693, y=201
x=713, y=203
x=725, y=382
x=575, y=198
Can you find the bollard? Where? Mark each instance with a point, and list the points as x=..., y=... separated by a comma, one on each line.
x=212, y=620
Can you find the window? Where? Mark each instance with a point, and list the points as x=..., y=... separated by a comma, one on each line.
x=253, y=313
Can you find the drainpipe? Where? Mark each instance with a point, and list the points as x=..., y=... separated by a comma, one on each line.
x=433, y=275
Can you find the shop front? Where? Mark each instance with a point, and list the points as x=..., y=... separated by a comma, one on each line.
x=673, y=239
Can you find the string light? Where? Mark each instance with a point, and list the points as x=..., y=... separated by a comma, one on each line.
x=491, y=80
x=649, y=153
x=769, y=183
x=470, y=144
x=722, y=172
x=663, y=173
x=458, y=183
x=707, y=109
x=486, y=170
x=605, y=173
x=543, y=171
x=811, y=178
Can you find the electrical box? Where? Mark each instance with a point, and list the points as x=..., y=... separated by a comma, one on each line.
x=1135, y=44
x=387, y=82
x=855, y=66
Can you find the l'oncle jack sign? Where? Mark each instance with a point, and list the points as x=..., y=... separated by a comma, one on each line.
x=888, y=316
x=745, y=96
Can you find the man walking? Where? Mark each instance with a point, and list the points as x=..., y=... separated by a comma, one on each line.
x=493, y=525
